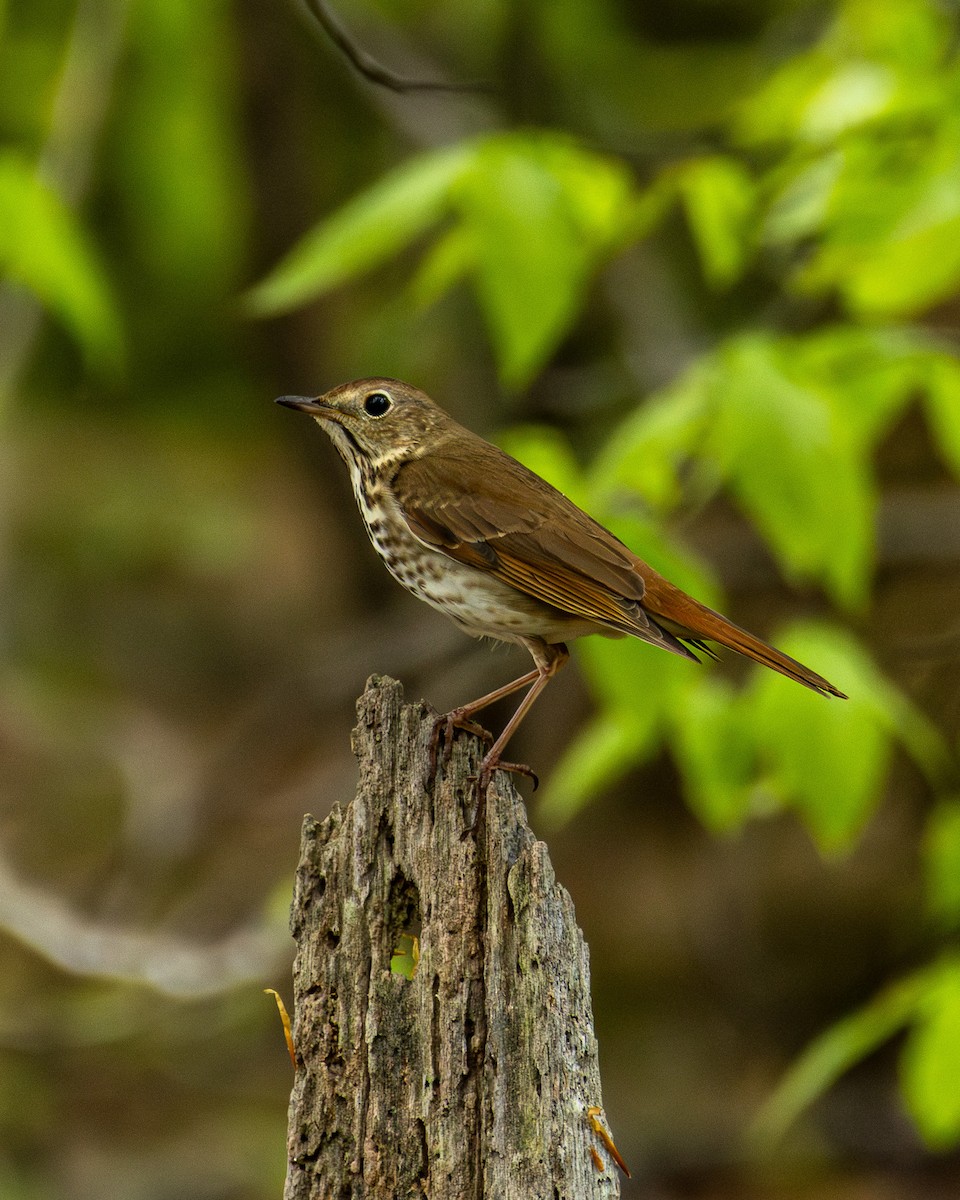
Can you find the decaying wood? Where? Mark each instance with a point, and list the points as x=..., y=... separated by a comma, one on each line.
x=473, y=1078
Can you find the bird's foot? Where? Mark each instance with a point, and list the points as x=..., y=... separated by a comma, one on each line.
x=443, y=731
x=487, y=770
x=485, y=775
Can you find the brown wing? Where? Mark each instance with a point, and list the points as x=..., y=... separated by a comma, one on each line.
x=475, y=503
x=482, y=507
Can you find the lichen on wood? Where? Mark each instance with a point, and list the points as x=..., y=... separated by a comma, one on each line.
x=473, y=1078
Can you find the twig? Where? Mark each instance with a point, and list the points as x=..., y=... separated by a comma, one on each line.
x=368, y=66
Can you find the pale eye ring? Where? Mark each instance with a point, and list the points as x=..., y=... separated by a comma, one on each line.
x=376, y=404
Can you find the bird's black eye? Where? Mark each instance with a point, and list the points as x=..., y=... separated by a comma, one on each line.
x=376, y=404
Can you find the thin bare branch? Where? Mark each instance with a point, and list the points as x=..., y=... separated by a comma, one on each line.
x=376, y=72
x=77, y=942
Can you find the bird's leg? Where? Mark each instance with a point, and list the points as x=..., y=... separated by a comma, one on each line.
x=549, y=660
x=460, y=718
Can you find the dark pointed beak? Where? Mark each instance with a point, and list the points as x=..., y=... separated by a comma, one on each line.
x=302, y=404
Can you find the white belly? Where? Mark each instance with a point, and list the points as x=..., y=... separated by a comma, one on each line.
x=476, y=601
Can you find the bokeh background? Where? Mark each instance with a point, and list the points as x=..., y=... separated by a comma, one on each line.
x=698, y=263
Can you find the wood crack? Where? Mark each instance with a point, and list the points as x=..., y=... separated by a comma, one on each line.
x=470, y=1079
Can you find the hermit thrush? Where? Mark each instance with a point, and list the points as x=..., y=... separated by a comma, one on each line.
x=486, y=541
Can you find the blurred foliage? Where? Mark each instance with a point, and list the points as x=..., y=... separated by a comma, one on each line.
x=715, y=255
x=499, y=190
x=43, y=248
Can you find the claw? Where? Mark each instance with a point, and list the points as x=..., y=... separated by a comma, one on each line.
x=487, y=770
x=518, y=769
x=444, y=727
x=482, y=780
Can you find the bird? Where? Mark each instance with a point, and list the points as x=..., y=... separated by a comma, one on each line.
x=493, y=546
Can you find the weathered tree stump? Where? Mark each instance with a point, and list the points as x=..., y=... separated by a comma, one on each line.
x=473, y=1079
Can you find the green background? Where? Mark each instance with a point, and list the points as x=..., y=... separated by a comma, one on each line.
x=696, y=263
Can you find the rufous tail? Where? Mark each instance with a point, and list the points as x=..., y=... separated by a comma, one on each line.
x=687, y=618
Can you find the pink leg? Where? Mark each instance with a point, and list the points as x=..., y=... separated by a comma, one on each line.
x=549, y=660
x=460, y=718
x=466, y=711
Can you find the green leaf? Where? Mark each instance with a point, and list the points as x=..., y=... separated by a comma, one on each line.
x=637, y=687
x=803, y=483
x=829, y=757
x=648, y=450
x=943, y=406
x=612, y=742
x=536, y=215
x=44, y=248
x=913, y=270
x=716, y=752
x=597, y=188
x=632, y=676
x=646, y=209
x=853, y=94
x=930, y=1064
x=720, y=200
x=941, y=863
x=891, y=241
x=179, y=145
x=911, y=33
x=873, y=64
x=774, y=111
x=802, y=193
x=867, y=375
x=366, y=231
x=447, y=261
x=542, y=214
x=833, y=1053
x=406, y=957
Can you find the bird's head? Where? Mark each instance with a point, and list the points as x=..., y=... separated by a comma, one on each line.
x=375, y=419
